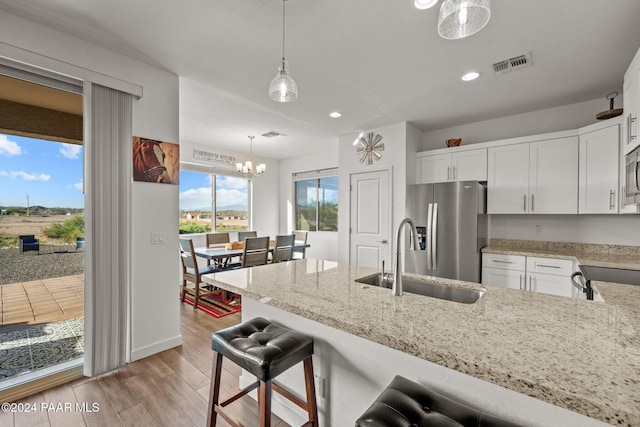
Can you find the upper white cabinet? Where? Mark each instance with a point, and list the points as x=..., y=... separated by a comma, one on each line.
x=539, y=177
x=631, y=105
x=598, y=176
x=467, y=165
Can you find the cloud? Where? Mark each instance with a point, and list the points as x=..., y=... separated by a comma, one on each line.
x=79, y=185
x=231, y=197
x=231, y=182
x=26, y=176
x=8, y=147
x=71, y=151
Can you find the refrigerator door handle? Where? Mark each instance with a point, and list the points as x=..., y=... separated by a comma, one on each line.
x=429, y=230
x=434, y=237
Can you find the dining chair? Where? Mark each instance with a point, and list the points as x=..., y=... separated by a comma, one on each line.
x=283, y=248
x=255, y=251
x=219, y=239
x=244, y=234
x=191, y=272
x=300, y=238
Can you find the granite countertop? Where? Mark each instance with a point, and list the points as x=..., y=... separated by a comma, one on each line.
x=577, y=354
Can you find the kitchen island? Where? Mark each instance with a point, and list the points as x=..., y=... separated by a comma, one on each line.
x=521, y=355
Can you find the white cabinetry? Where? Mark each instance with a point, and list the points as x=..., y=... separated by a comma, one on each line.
x=598, y=176
x=631, y=105
x=540, y=177
x=533, y=274
x=467, y=165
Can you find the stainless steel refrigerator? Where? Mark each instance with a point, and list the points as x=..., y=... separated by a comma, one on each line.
x=452, y=228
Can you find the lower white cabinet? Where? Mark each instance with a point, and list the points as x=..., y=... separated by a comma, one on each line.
x=533, y=274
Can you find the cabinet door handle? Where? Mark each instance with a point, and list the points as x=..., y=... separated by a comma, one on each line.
x=524, y=200
x=632, y=120
x=548, y=266
x=520, y=283
x=504, y=262
x=532, y=208
x=530, y=283
x=454, y=173
x=612, y=199
x=448, y=173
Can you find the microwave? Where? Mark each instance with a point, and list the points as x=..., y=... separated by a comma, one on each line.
x=632, y=178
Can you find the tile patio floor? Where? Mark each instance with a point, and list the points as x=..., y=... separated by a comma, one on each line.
x=41, y=301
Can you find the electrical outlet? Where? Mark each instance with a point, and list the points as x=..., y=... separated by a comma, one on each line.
x=320, y=384
x=538, y=229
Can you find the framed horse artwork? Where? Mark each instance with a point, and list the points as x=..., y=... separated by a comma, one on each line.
x=156, y=161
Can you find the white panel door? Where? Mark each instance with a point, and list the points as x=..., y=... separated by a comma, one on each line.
x=508, y=179
x=370, y=219
x=512, y=279
x=469, y=165
x=598, y=177
x=553, y=179
x=434, y=168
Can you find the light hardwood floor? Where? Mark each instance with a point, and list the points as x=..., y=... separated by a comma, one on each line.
x=167, y=389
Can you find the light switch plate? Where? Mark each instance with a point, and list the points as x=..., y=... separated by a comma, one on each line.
x=158, y=237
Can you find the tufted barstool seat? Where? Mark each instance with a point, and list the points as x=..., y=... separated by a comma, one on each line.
x=405, y=403
x=266, y=350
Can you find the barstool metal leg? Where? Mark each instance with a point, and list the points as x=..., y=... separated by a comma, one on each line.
x=214, y=390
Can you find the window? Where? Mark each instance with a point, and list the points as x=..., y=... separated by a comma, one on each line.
x=316, y=203
x=199, y=202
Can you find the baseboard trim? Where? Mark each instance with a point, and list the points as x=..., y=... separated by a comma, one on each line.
x=152, y=349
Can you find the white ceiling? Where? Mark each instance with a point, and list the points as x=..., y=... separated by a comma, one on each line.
x=379, y=62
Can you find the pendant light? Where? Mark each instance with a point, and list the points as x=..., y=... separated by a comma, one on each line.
x=462, y=18
x=247, y=168
x=282, y=88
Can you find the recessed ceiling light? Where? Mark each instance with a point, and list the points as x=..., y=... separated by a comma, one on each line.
x=335, y=114
x=470, y=76
x=424, y=4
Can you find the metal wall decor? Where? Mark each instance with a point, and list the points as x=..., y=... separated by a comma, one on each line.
x=369, y=148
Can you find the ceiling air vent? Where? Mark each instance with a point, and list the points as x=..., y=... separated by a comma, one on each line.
x=273, y=133
x=512, y=64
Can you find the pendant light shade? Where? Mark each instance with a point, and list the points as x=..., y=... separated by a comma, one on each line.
x=283, y=88
x=462, y=18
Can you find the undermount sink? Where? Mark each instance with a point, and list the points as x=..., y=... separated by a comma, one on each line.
x=425, y=288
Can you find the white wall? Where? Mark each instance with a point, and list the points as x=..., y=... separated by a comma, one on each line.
x=394, y=159
x=324, y=244
x=600, y=229
x=555, y=119
x=265, y=189
x=155, y=314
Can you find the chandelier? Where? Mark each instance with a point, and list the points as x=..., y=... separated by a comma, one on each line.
x=283, y=88
x=247, y=168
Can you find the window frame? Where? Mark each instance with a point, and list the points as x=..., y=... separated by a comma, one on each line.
x=316, y=175
x=214, y=173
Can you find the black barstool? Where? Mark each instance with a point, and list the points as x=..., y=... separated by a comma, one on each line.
x=405, y=403
x=265, y=349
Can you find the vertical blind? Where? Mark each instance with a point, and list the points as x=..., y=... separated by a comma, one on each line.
x=108, y=158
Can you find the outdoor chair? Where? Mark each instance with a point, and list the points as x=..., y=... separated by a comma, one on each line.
x=29, y=243
x=300, y=238
x=283, y=248
x=191, y=272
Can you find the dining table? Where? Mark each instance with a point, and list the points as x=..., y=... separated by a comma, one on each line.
x=221, y=253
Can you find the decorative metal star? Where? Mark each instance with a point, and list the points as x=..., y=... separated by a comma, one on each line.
x=369, y=148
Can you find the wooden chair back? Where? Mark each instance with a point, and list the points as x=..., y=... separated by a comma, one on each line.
x=244, y=234
x=255, y=251
x=217, y=238
x=283, y=248
x=188, y=256
x=300, y=237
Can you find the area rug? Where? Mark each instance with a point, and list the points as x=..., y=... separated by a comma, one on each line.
x=216, y=305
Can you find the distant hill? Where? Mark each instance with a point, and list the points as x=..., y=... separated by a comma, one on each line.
x=41, y=210
x=233, y=208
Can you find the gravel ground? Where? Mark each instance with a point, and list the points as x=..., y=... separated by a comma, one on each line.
x=52, y=261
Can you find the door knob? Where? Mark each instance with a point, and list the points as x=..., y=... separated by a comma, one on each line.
x=385, y=241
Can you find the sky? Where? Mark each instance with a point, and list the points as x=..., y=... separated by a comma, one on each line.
x=49, y=172
x=195, y=191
